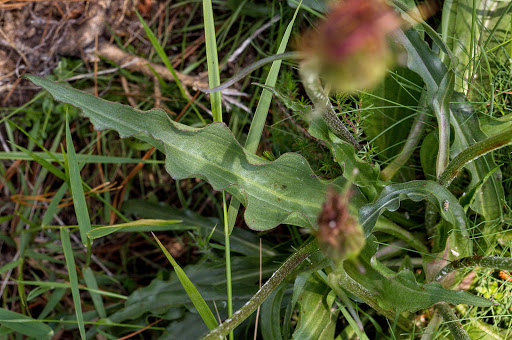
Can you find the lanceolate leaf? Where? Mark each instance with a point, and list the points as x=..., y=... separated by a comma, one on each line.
x=283, y=191
x=400, y=292
x=24, y=325
x=449, y=207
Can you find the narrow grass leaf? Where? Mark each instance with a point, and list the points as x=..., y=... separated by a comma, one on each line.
x=47, y=165
x=10, y=265
x=192, y=292
x=25, y=325
x=142, y=225
x=90, y=281
x=73, y=278
x=50, y=156
x=53, y=207
x=59, y=285
x=54, y=299
x=212, y=59
x=77, y=190
x=260, y=116
x=161, y=53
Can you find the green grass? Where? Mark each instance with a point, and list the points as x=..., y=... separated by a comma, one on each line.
x=76, y=262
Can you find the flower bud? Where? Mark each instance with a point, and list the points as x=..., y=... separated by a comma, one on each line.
x=350, y=49
x=339, y=234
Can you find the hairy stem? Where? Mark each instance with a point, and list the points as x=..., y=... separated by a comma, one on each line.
x=473, y=152
x=322, y=103
x=494, y=262
x=243, y=313
x=452, y=322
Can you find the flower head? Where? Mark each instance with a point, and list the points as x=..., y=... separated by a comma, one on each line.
x=339, y=234
x=350, y=49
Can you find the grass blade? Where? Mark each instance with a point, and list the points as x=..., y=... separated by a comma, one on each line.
x=77, y=190
x=73, y=278
x=212, y=59
x=192, y=292
x=91, y=282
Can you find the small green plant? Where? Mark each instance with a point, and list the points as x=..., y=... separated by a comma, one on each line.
x=401, y=141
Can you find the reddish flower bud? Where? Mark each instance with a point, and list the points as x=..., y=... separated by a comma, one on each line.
x=350, y=49
x=339, y=234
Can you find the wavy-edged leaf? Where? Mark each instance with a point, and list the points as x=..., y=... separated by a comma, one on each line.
x=401, y=292
x=283, y=191
x=465, y=123
x=439, y=196
x=389, y=292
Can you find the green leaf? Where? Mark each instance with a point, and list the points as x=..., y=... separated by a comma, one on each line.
x=241, y=241
x=77, y=190
x=161, y=296
x=488, y=201
x=90, y=280
x=260, y=115
x=283, y=191
x=212, y=59
x=271, y=314
x=400, y=292
x=134, y=226
x=439, y=196
x=73, y=278
x=192, y=292
x=25, y=325
x=316, y=320
x=429, y=66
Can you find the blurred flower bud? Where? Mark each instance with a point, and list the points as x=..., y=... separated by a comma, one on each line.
x=339, y=234
x=350, y=49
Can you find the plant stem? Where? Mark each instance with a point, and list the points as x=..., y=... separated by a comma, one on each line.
x=355, y=288
x=473, y=152
x=243, y=313
x=452, y=322
x=322, y=103
x=333, y=279
x=494, y=262
x=442, y=111
x=243, y=73
x=228, y=261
